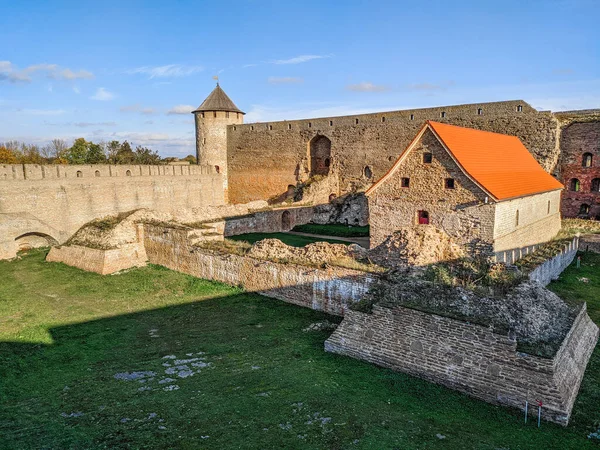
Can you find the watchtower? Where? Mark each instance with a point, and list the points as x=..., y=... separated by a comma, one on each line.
x=212, y=118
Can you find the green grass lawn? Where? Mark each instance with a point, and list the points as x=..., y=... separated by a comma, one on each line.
x=70, y=340
x=334, y=229
x=289, y=239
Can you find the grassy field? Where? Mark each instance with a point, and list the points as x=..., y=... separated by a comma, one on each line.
x=333, y=229
x=289, y=239
x=98, y=362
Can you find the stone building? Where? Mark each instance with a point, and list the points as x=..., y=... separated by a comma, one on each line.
x=265, y=161
x=483, y=189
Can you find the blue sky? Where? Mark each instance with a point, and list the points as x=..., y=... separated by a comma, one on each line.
x=133, y=70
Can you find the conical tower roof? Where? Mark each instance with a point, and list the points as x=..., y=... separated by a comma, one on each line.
x=218, y=101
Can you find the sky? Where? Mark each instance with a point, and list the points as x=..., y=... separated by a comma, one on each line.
x=134, y=70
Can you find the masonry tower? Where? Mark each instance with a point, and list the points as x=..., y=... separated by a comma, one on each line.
x=212, y=118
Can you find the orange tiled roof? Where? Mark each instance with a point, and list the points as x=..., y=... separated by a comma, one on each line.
x=499, y=163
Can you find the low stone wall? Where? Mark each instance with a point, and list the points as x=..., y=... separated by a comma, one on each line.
x=331, y=290
x=552, y=268
x=590, y=243
x=271, y=221
x=470, y=358
x=100, y=261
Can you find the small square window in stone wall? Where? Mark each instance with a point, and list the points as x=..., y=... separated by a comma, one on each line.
x=449, y=183
x=405, y=182
x=427, y=158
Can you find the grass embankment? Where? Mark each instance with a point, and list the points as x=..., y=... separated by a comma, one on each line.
x=259, y=380
x=334, y=229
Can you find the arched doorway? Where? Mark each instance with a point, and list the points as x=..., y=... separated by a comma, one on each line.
x=34, y=240
x=286, y=221
x=320, y=155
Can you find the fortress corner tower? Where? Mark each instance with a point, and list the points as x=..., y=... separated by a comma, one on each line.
x=212, y=118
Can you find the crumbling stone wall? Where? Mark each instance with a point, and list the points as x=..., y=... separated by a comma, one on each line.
x=469, y=358
x=331, y=290
x=462, y=212
x=264, y=158
x=578, y=138
x=272, y=221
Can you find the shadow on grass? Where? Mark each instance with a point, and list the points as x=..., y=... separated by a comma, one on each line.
x=257, y=381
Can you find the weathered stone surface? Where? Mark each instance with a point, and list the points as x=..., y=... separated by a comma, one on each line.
x=469, y=358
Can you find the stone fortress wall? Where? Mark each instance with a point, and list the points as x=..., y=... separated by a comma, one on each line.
x=580, y=135
x=47, y=204
x=264, y=159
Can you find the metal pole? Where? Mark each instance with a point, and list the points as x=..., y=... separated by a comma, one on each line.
x=539, y=415
x=526, y=409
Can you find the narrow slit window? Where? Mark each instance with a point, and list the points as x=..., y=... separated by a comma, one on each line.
x=331, y=123
x=356, y=121
x=548, y=212
x=412, y=117
x=309, y=125
x=383, y=119
x=289, y=126
x=479, y=111
x=517, y=218
x=443, y=114
x=519, y=108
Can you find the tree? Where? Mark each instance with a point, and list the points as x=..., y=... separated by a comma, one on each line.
x=55, y=150
x=144, y=155
x=77, y=154
x=125, y=155
x=7, y=156
x=190, y=158
x=95, y=154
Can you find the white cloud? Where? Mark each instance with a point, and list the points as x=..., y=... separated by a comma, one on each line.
x=181, y=109
x=95, y=124
x=11, y=73
x=137, y=108
x=367, y=87
x=76, y=90
x=170, y=70
x=42, y=112
x=261, y=113
x=300, y=59
x=285, y=80
x=102, y=94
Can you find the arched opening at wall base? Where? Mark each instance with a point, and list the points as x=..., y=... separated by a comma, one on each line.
x=34, y=239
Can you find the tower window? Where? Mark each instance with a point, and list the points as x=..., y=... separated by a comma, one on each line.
x=412, y=117
x=202, y=115
x=215, y=114
x=443, y=114
x=574, y=185
x=383, y=119
x=227, y=114
x=519, y=108
x=331, y=123
x=427, y=158
x=309, y=125
x=479, y=111
x=405, y=182
x=449, y=183
x=289, y=126
x=234, y=128
x=252, y=127
x=270, y=127
x=237, y=115
x=517, y=218
x=586, y=160
x=355, y=121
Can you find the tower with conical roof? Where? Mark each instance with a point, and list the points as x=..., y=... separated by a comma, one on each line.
x=212, y=118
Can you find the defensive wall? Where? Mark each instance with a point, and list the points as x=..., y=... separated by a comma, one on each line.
x=52, y=202
x=551, y=269
x=470, y=358
x=265, y=158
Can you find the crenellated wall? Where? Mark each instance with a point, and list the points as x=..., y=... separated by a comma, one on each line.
x=54, y=201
